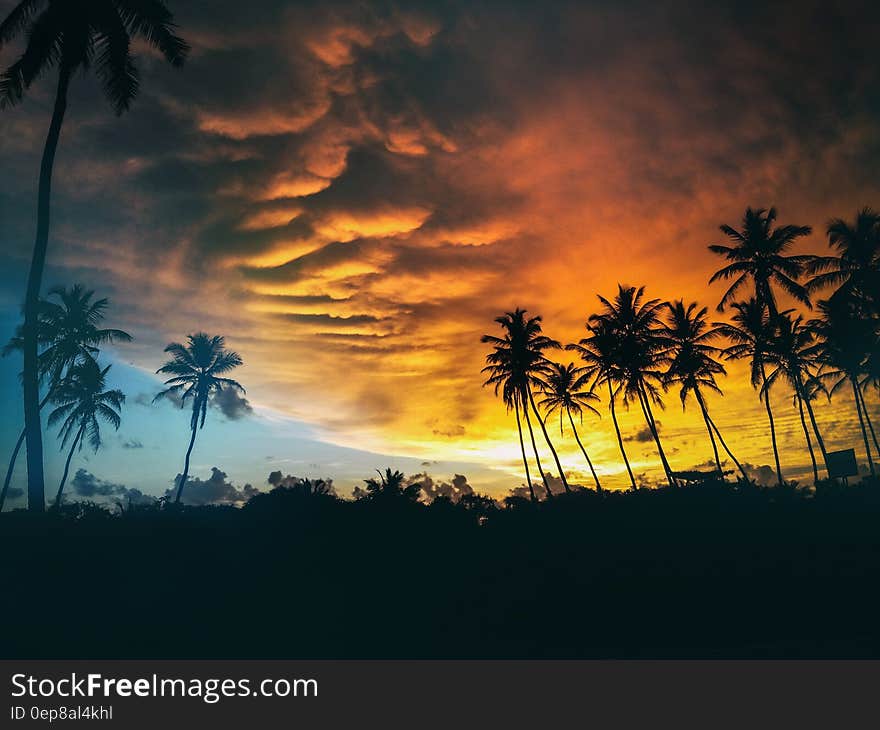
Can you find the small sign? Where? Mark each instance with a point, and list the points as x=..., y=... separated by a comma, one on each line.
x=842, y=464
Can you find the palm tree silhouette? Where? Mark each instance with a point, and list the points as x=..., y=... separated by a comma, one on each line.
x=640, y=353
x=843, y=334
x=391, y=486
x=759, y=253
x=693, y=366
x=71, y=35
x=751, y=333
x=793, y=354
x=515, y=365
x=82, y=401
x=197, y=368
x=565, y=390
x=856, y=268
x=69, y=333
x=599, y=351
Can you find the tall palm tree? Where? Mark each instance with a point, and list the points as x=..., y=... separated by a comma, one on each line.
x=69, y=333
x=856, y=268
x=692, y=364
x=82, y=401
x=599, y=351
x=759, y=253
x=518, y=359
x=72, y=35
x=793, y=355
x=751, y=334
x=197, y=368
x=565, y=390
x=843, y=334
x=640, y=353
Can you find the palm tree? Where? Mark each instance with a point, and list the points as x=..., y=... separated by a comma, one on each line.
x=640, y=352
x=69, y=333
x=693, y=366
x=856, y=268
x=197, y=368
x=516, y=365
x=72, y=35
x=599, y=353
x=793, y=354
x=565, y=390
x=82, y=401
x=390, y=486
x=843, y=335
x=751, y=334
x=759, y=253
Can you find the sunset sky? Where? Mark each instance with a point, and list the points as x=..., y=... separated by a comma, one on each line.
x=352, y=191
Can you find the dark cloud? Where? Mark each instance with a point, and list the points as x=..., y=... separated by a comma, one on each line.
x=86, y=485
x=232, y=404
x=132, y=444
x=643, y=435
x=764, y=474
x=454, y=489
x=214, y=490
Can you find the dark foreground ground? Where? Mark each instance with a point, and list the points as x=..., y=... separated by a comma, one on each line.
x=699, y=572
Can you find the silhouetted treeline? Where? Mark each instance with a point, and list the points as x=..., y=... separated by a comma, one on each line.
x=717, y=570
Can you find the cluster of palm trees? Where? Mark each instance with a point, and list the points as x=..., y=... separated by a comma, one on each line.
x=75, y=384
x=637, y=348
x=70, y=36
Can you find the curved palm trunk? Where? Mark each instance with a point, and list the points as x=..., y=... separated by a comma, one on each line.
x=800, y=402
x=67, y=465
x=819, y=439
x=652, y=427
x=185, y=475
x=586, y=455
x=547, y=439
x=766, y=398
x=32, y=426
x=724, y=446
x=522, y=447
x=629, y=470
x=714, y=445
x=537, y=456
x=855, y=388
x=868, y=422
x=10, y=470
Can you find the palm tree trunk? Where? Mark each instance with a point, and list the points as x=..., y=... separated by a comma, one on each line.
x=712, y=440
x=629, y=470
x=766, y=398
x=32, y=426
x=586, y=456
x=67, y=465
x=185, y=475
x=855, y=388
x=870, y=425
x=522, y=447
x=652, y=427
x=724, y=446
x=819, y=439
x=547, y=439
x=800, y=402
x=11, y=468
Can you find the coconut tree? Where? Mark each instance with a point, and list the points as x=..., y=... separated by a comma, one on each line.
x=792, y=357
x=640, y=353
x=71, y=35
x=517, y=363
x=843, y=336
x=81, y=403
x=599, y=351
x=564, y=389
x=197, y=370
x=751, y=333
x=69, y=333
x=759, y=254
x=856, y=267
x=693, y=365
